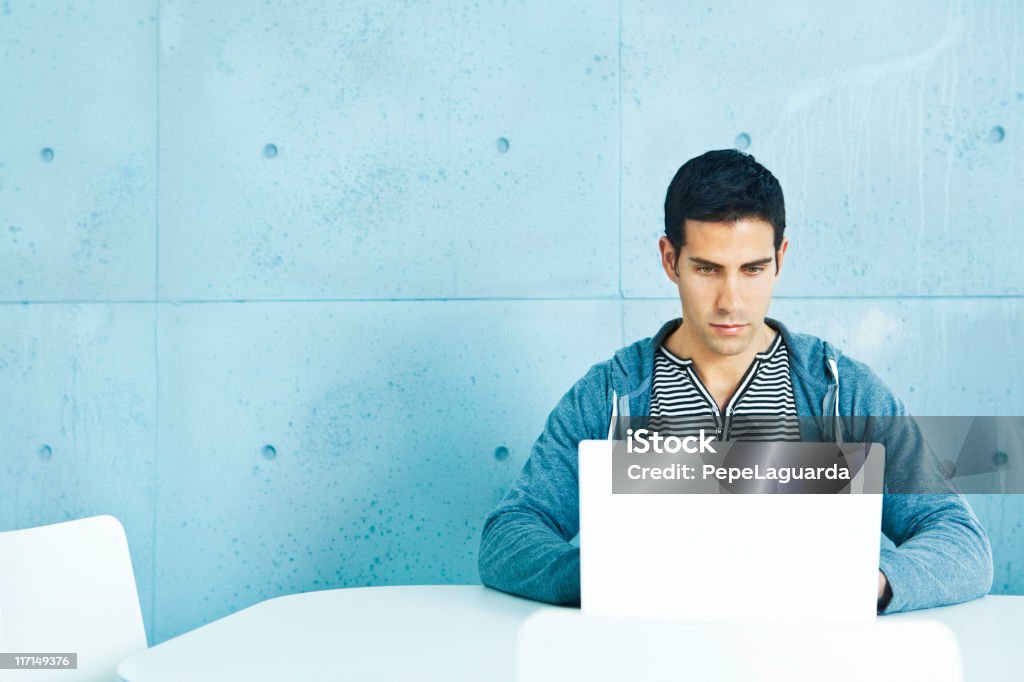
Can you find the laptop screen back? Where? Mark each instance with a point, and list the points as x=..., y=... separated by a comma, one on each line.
x=728, y=557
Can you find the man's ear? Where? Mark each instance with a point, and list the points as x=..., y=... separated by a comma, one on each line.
x=780, y=255
x=669, y=259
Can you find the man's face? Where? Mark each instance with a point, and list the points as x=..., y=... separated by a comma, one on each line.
x=727, y=272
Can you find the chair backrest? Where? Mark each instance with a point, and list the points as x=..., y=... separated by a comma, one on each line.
x=558, y=645
x=70, y=588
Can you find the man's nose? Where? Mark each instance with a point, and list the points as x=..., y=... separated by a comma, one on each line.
x=729, y=295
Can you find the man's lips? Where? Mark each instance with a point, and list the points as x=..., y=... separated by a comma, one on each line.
x=728, y=329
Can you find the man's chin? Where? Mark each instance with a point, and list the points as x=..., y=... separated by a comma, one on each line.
x=734, y=346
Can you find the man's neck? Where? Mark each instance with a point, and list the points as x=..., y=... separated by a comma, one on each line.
x=712, y=367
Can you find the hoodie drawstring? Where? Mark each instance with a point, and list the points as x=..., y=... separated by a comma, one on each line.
x=615, y=414
x=836, y=422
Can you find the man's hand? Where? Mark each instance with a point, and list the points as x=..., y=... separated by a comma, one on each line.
x=884, y=591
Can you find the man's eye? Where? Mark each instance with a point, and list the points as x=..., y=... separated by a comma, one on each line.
x=705, y=269
x=755, y=269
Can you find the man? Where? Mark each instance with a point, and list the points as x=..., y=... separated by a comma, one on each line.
x=724, y=249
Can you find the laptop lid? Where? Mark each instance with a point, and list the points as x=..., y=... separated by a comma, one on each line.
x=722, y=552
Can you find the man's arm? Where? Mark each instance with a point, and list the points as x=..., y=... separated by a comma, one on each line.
x=942, y=554
x=525, y=548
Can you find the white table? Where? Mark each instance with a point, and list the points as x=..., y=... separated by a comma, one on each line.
x=989, y=632
x=431, y=632
x=453, y=632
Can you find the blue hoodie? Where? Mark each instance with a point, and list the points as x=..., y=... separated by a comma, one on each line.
x=942, y=554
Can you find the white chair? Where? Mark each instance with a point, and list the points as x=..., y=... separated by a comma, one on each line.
x=570, y=645
x=69, y=588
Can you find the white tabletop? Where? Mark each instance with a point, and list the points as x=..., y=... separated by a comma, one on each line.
x=444, y=632
x=988, y=630
x=452, y=632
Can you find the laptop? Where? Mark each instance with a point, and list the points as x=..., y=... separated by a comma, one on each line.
x=726, y=552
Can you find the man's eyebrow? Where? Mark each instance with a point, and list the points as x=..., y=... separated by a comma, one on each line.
x=701, y=261
x=712, y=264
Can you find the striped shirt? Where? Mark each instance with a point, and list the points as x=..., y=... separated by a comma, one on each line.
x=762, y=408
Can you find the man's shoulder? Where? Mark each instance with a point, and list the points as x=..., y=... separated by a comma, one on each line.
x=635, y=358
x=862, y=389
x=623, y=372
x=870, y=394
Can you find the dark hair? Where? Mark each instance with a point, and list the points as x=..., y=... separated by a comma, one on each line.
x=723, y=186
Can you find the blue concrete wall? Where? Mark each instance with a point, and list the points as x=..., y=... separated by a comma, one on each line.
x=290, y=289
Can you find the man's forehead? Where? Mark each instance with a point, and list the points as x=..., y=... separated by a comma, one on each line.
x=739, y=240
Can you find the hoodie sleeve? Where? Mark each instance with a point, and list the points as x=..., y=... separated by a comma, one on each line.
x=942, y=553
x=525, y=546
